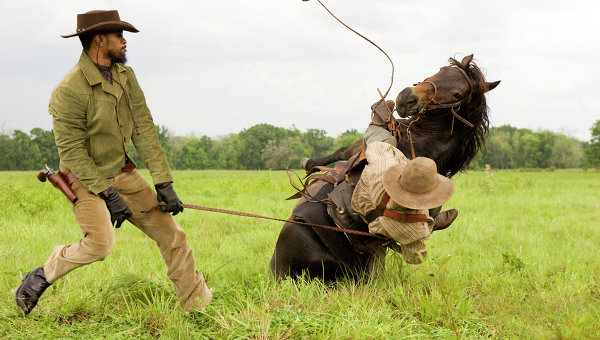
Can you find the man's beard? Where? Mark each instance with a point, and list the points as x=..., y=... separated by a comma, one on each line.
x=117, y=58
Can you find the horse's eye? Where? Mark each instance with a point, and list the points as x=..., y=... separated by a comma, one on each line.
x=457, y=95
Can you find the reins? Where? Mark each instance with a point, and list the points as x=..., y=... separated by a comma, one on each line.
x=434, y=104
x=454, y=107
x=240, y=213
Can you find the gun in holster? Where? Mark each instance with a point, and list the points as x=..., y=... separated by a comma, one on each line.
x=60, y=180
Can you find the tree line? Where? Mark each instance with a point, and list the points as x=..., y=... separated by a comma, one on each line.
x=508, y=148
x=264, y=146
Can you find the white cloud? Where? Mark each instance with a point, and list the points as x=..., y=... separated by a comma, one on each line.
x=217, y=67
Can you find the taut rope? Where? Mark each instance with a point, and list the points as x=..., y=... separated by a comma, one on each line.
x=240, y=213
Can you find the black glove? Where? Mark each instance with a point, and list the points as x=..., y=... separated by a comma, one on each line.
x=167, y=195
x=119, y=211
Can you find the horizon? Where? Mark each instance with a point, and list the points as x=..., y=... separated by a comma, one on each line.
x=194, y=134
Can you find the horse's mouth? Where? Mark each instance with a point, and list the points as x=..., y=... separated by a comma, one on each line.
x=404, y=112
x=407, y=103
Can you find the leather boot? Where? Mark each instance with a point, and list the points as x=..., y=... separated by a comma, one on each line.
x=33, y=286
x=444, y=219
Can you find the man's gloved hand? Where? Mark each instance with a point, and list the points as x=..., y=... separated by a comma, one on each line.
x=379, y=114
x=167, y=195
x=119, y=211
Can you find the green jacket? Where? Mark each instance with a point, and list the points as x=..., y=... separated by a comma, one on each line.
x=93, y=125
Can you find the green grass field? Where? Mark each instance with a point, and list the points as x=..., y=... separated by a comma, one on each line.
x=521, y=261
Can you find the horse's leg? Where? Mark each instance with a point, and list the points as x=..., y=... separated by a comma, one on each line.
x=342, y=154
x=299, y=249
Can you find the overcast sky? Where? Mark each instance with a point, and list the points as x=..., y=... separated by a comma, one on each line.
x=218, y=67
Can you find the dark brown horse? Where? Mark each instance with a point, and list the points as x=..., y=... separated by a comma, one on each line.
x=436, y=132
x=447, y=122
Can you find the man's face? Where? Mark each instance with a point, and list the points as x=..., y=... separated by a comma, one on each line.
x=116, y=47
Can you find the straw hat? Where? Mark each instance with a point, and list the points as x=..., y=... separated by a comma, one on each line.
x=100, y=21
x=417, y=185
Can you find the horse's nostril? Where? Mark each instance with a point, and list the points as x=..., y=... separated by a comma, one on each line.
x=406, y=98
x=412, y=100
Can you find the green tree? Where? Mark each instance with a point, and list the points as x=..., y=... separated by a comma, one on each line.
x=229, y=149
x=566, y=152
x=346, y=138
x=28, y=155
x=47, y=146
x=197, y=153
x=318, y=141
x=592, y=151
x=530, y=152
x=477, y=162
x=546, y=145
x=254, y=140
x=7, y=153
x=508, y=147
x=285, y=153
x=498, y=150
x=166, y=143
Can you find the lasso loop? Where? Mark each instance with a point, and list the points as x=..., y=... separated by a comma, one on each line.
x=372, y=43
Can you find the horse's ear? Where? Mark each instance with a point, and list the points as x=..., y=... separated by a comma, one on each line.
x=466, y=60
x=489, y=86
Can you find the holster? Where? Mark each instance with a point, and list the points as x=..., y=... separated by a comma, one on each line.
x=62, y=181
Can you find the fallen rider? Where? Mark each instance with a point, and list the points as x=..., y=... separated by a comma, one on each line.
x=379, y=131
x=394, y=195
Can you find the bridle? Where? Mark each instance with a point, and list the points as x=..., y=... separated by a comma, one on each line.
x=433, y=104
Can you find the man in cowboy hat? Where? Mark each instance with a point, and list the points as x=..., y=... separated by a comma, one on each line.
x=394, y=195
x=97, y=109
x=377, y=132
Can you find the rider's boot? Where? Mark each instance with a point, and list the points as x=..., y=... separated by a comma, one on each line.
x=33, y=286
x=444, y=219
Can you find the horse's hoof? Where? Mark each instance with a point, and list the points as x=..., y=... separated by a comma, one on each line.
x=304, y=162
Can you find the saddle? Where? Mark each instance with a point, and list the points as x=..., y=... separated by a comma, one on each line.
x=344, y=177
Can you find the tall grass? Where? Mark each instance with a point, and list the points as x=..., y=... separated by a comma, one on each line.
x=522, y=260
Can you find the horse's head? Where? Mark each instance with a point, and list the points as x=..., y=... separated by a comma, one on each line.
x=452, y=86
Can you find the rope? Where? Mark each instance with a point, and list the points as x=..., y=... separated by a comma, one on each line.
x=240, y=213
x=410, y=141
x=392, y=124
x=372, y=43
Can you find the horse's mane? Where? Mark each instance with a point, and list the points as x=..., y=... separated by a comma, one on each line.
x=468, y=140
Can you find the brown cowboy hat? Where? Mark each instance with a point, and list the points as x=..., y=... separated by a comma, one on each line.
x=99, y=22
x=417, y=185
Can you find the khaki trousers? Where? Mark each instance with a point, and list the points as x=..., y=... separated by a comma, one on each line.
x=99, y=237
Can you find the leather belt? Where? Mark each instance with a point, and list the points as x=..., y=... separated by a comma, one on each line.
x=382, y=211
x=129, y=167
